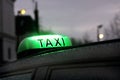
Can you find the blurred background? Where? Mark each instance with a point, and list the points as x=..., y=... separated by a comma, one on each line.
x=82, y=20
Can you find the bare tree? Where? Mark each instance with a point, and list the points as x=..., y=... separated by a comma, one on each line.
x=114, y=28
x=86, y=38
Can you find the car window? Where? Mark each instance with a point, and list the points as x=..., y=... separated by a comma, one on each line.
x=27, y=76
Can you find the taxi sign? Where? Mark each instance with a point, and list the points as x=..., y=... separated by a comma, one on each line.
x=44, y=41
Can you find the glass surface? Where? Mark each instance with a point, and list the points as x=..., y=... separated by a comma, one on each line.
x=88, y=73
x=19, y=77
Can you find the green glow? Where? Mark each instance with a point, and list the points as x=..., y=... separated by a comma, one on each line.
x=44, y=41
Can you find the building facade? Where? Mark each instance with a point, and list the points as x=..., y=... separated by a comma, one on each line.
x=7, y=31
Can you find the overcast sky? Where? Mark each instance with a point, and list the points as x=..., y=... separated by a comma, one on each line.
x=72, y=17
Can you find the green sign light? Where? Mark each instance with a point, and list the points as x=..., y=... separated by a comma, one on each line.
x=44, y=41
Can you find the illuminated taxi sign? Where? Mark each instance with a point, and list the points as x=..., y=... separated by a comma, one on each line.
x=44, y=41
